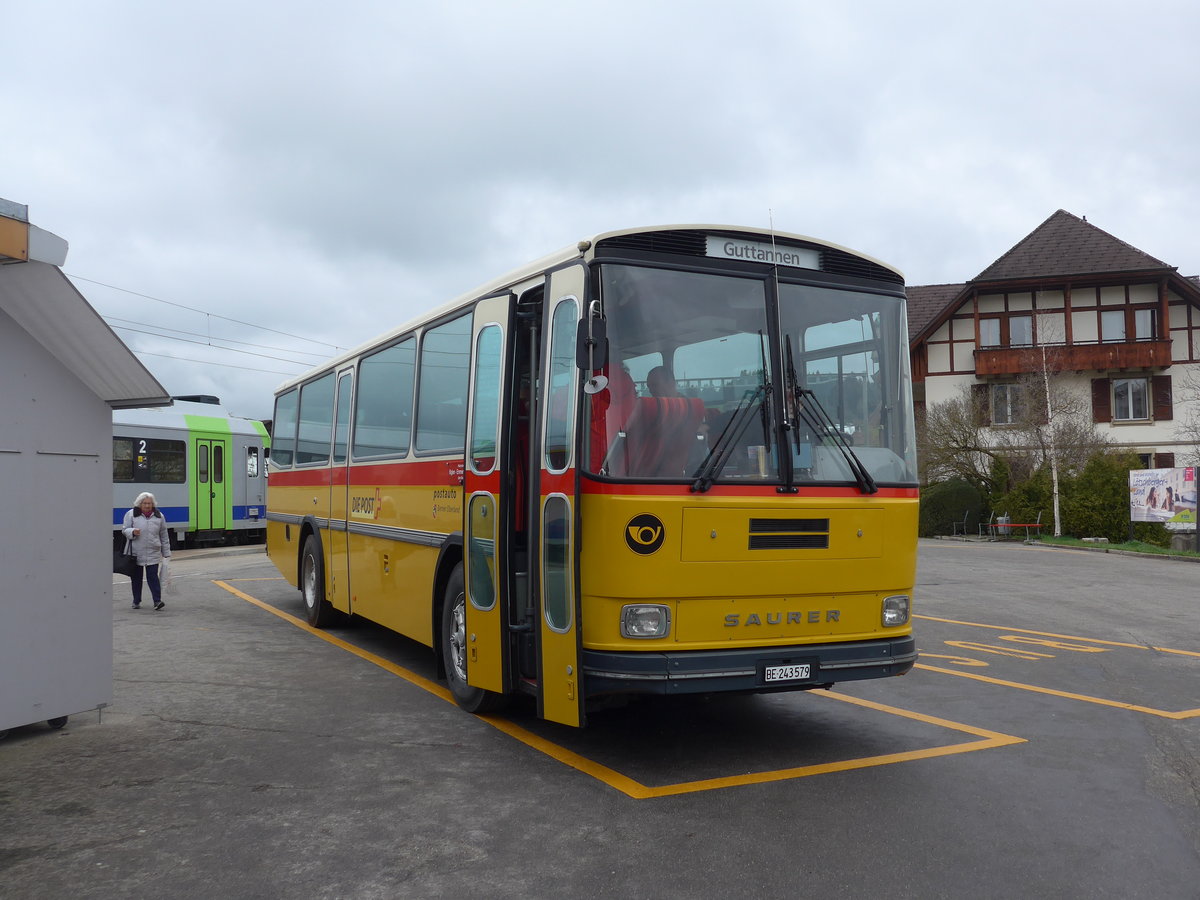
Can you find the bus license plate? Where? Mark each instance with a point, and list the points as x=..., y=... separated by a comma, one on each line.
x=795, y=672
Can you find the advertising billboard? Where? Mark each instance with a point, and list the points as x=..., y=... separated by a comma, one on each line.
x=1164, y=495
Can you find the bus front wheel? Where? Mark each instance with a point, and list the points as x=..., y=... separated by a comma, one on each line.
x=454, y=650
x=318, y=610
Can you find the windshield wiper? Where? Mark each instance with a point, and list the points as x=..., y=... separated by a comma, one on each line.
x=810, y=408
x=729, y=437
x=821, y=423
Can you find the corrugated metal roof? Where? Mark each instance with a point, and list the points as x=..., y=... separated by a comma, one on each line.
x=42, y=301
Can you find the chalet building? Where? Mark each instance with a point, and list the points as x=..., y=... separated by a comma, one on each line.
x=1115, y=324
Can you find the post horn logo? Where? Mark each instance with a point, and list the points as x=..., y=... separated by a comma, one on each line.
x=644, y=534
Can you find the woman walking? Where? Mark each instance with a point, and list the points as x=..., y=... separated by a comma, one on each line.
x=150, y=541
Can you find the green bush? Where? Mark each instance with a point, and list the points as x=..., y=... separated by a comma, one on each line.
x=1029, y=498
x=1098, y=502
x=945, y=503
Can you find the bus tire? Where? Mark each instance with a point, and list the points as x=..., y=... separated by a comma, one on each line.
x=318, y=610
x=454, y=650
x=57, y=722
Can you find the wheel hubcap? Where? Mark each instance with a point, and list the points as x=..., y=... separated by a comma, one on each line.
x=310, y=582
x=458, y=638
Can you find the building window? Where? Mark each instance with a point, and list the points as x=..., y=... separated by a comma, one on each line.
x=1131, y=399
x=1006, y=404
x=1112, y=325
x=989, y=332
x=1020, y=331
x=1143, y=324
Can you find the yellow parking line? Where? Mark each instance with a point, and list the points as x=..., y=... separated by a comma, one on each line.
x=635, y=789
x=1182, y=714
x=1069, y=637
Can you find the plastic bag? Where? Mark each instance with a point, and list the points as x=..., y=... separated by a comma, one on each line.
x=166, y=577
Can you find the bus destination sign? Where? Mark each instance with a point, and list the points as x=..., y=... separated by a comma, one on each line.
x=754, y=251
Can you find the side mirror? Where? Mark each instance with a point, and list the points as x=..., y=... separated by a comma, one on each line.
x=591, y=348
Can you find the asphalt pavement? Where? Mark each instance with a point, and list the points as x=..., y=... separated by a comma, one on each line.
x=1047, y=745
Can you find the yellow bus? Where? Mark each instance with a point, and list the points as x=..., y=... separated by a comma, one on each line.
x=665, y=460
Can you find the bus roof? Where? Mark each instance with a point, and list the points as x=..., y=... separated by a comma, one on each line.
x=583, y=250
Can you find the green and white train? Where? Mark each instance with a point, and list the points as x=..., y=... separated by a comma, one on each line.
x=206, y=468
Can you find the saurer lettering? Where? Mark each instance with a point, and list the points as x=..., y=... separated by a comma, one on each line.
x=792, y=617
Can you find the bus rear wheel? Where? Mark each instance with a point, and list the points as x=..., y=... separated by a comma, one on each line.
x=454, y=650
x=318, y=610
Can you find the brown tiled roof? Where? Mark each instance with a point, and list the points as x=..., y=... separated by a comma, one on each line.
x=1066, y=245
x=925, y=302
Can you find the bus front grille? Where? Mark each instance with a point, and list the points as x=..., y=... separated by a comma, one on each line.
x=789, y=534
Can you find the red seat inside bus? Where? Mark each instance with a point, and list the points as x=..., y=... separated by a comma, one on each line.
x=660, y=434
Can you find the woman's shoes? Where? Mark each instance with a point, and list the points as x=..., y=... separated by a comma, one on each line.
x=158, y=604
x=136, y=606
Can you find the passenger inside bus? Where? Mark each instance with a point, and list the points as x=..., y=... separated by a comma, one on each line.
x=661, y=383
x=659, y=432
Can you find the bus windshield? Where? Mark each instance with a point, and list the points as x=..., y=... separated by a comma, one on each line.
x=848, y=355
x=698, y=390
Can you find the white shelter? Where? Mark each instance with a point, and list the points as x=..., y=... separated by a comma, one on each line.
x=62, y=372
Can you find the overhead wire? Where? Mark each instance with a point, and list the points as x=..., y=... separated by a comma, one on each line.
x=129, y=322
x=205, y=312
x=209, y=362
x=209, y=344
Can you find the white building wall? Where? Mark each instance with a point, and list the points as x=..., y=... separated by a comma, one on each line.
x=55, y=541
x=1139, y=437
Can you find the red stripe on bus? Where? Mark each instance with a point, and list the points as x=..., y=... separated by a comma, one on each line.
x=441, y=471
x=738, y=490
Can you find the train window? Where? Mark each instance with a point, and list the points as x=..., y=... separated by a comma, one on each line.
x=202, y=463
x=148, y=461
x=122, y=460
x=283, y=435
x=251, y=462
x=218, y=463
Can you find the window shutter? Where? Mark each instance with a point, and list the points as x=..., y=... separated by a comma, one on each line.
x=1164, y=460
x=1164, y=407
x=983, y=406
x=1101, y=400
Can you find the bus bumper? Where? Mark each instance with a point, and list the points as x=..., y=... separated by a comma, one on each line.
x=716, y=671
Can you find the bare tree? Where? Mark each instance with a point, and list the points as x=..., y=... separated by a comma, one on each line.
x=1052, y=425
x=953, y=442
x=1188, y=427
x=1040, y=418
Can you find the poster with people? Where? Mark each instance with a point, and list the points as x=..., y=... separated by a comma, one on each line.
x=1164, y=495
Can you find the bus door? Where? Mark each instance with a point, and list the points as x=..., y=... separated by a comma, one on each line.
x=211, y=501
x=338, y=578
x=487, y=528
x=560, y=694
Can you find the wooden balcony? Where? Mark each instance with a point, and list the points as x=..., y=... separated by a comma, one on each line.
x=1109, y=357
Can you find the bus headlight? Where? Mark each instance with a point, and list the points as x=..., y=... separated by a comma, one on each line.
x=645, y=621
x=895, y=610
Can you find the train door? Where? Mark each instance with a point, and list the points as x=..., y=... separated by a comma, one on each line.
x=211, y=500
x=338, y=580
x=560, y=694
x=487, y=531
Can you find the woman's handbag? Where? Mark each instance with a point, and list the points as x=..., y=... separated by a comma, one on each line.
x=124, y=563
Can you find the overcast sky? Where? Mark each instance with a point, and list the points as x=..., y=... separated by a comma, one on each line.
x=329, y=170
